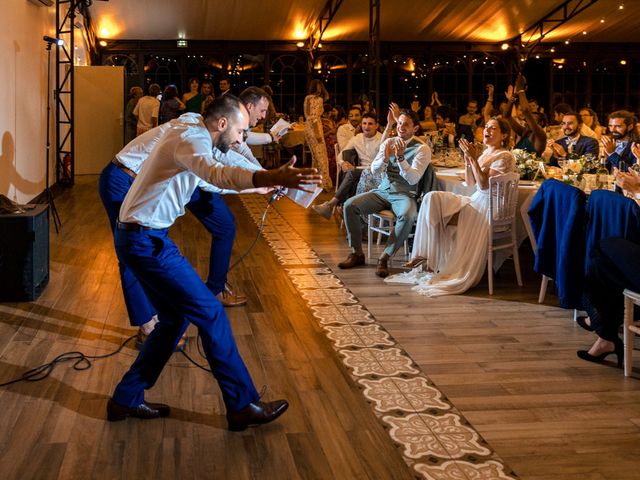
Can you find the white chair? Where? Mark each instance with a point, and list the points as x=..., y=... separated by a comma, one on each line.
x=503, y=199
x=631, y=328
x=382, y=223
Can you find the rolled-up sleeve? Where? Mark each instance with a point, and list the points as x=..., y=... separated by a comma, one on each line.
x=413, y=172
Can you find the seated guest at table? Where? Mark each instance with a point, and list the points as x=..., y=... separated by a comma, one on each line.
x=573, y=143
x=590, y=119
x=365, y=147
x=338, y=115
x=404, y=160
x=445, y=124
x=617, y=147
x=347, y=130
x=614, y=265
x=530, y=136
x=472, y=115
x=554, y=131
x=429, y=122
x=453, y=259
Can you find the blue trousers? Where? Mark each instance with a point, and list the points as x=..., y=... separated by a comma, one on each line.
x=180, y=296
x=209, y=208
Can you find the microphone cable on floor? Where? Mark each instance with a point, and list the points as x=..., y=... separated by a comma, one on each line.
x=84, y=362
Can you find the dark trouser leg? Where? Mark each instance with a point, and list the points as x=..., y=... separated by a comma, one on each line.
x=348, y=186
x=181, y=297
x=216, y=217
x=614, y=265
x=113, y=187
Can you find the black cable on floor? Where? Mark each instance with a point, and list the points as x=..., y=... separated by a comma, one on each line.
x=82, y=362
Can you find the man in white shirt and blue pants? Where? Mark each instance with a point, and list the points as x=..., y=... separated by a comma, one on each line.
x=175, y=167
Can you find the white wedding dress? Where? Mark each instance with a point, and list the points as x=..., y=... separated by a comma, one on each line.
x=457, y=254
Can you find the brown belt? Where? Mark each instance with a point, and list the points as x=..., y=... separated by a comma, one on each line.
x=126, y=170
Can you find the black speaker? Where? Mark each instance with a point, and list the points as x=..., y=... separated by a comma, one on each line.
x=24, y=254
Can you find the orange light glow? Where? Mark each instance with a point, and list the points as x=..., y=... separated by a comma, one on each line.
x=108, y=27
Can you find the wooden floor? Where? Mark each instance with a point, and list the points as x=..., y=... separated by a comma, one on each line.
x=506, y=363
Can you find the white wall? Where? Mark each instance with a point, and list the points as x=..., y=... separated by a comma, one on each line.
x=23, y=81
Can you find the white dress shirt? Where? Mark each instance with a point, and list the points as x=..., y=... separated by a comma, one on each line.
x=146, y=110
x=344, y=134
x=137, y=151
x=180, y=161
x=366, y=148
x=411, y=173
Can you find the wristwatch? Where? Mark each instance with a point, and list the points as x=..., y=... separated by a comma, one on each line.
x=400, y=158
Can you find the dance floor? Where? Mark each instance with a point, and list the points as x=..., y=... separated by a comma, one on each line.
x=383, y=383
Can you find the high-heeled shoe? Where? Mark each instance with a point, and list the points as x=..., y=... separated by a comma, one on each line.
x=582, y=321
x=619, y=352
x=416, y=262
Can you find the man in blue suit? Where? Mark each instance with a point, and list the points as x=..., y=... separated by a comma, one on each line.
x=617, y=147
x=573, y=144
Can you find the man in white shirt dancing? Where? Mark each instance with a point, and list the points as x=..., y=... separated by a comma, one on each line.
x=168, y=178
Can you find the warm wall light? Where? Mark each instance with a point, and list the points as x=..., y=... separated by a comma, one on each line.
x=623, y=62
x=504, y=46
x=103, y=43
x=300, y=44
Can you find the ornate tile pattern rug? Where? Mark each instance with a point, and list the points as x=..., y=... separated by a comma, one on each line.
x=436, y=441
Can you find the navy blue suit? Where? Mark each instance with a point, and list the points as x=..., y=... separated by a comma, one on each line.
x=622, y=160
x=209, y=208
x=584, y=146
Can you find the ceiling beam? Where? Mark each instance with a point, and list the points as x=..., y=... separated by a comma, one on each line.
x=547, y=24
x=320, y=25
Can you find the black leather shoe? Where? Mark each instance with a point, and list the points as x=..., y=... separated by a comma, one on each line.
x=256, y=413
x=145, y=411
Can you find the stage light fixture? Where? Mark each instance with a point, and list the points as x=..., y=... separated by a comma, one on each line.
x=182, y=43
x=52, y=40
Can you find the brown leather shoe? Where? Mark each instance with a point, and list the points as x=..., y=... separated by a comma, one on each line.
x=256, y=413
x=145, y=411
x=382, y=269
x=353, y=260
x=230, y=299
x=141, y=337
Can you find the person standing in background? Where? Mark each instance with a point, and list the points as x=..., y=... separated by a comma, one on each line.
x=193, y=98
x=171, y=106
x=314, y=135
x=147, y=110
x=130, y=121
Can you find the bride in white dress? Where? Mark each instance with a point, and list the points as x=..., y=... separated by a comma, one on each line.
x=450, y=245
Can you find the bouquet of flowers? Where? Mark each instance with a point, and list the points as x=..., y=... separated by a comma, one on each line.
x=527, y=163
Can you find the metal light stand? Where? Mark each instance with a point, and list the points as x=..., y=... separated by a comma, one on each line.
x=48, y=195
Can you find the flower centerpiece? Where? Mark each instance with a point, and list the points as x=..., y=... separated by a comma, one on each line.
x=527, y=163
